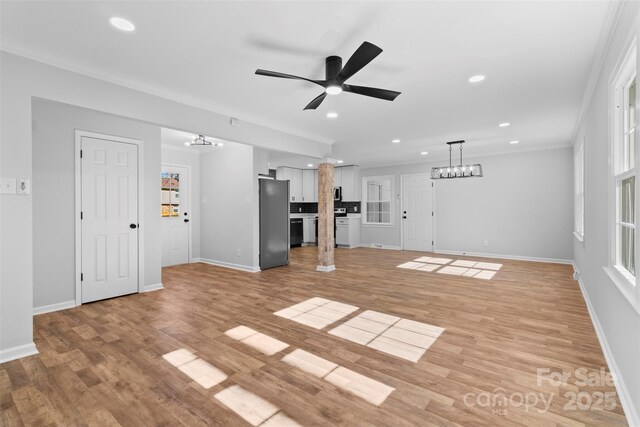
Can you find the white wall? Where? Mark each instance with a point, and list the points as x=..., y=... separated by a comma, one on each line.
x=617, y=321
x=228, y=203
x=523, y=206
x=53, y=192
x=186, y=157
x=20, y=80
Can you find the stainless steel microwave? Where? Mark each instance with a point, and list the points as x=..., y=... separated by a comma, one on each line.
x=337, y=194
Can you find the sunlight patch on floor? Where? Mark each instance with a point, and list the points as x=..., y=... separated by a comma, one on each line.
x=461, y=267
x=253, y=409
x=357, y=384
x=317, y=312
x=402, y=338
x=257, y=340
x=195, y=368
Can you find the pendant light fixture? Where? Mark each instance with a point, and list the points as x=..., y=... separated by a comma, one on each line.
x=460, y=171
x=200, y=140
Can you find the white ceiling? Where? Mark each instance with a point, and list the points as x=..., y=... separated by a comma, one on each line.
x=537, y=57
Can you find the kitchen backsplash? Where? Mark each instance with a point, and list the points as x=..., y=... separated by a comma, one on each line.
x=352, y=207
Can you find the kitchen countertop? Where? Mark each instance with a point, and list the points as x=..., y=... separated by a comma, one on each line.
x=313, y=215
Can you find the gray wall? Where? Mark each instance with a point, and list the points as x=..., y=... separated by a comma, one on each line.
x=21, y=80
x=228, y=202
x=523, y=206
x=617, y=320
x=54, y=194
x=190, y=158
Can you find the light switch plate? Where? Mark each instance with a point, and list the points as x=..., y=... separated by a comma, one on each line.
x=23, y=186
x=7, y=186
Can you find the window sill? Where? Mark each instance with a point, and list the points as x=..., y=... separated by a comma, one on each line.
x=373, y=224
x=579, y=237
x=625, y=284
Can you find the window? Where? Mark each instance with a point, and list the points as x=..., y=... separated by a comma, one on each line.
x=377, y=200
x=170, y=194
x=579, y=191
x=624, y=169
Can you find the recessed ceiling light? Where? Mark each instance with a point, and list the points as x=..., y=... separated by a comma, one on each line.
x=340, y=161
x=504, y=125
x=395, y=141
x=476, y=79
x=309, y=165
x=513, y=142
x=332, y=115
x=424, y=153
x=187, y=143
x=333, y=89
x=122, y=24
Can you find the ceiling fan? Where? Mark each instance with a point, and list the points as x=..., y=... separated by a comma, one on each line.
x=336, y=76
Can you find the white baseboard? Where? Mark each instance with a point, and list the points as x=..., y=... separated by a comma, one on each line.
x=241, y=267
x=325, y=268
x=18, y=352
x=501, y=256
x=54, y=307
x=621, y=388
x=380, y=246
x=154, y=287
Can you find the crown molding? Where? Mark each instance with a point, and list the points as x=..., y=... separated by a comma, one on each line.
x=139, y=86
x=606, y=36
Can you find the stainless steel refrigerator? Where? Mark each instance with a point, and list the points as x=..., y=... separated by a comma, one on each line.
x=274, y=223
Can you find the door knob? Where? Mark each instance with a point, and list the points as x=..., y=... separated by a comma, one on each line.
x=186, y=220
x=132, y=226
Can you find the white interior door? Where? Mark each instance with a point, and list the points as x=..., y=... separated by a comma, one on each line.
x=175, y=215
x=109, y=226
x=417, y=208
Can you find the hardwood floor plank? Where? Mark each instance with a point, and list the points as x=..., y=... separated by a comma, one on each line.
x=101, y=363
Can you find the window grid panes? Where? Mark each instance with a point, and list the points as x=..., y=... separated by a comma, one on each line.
x=170, y=194
x=378, y=204
x=625, y=181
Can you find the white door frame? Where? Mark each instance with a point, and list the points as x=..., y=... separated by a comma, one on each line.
x=433, y=209
x=170, y=165
x=79, y=134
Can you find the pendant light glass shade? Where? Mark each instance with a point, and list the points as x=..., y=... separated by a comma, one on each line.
x=464, y=171
x=459, y=171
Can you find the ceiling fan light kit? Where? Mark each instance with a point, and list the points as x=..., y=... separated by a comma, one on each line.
x=336, y=76
x=459, y=171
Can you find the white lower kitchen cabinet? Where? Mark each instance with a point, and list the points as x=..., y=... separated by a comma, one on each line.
x=309, y=230
x=348, y=232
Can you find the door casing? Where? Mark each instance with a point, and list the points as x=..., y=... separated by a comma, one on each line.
x=79, y=134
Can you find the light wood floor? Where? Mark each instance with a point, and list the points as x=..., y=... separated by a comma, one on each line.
x=101, y=364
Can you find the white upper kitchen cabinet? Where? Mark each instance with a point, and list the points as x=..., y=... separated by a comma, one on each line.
x=296, y=185
x=294, y=176
x=337, y=177
x=309, y=186
x=315, y=186
x=350, y=183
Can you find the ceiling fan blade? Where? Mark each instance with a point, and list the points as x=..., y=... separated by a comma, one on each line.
x=361, y=57
x=288, y=76
x=388, y=95
x=316, y=101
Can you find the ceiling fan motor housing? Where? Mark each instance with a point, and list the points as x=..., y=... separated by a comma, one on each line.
x=333, y=66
